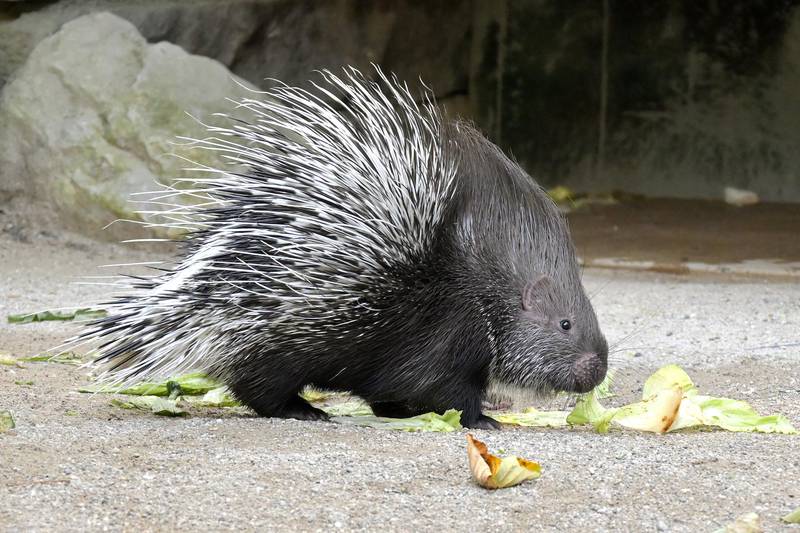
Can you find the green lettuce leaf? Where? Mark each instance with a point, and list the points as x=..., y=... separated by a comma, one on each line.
x=187, y=385
x=78, y=314
x=66, y=358
x=8, y=359
x=6, y=421
x=589, y=410
x=531, y=417
x=219, y=397
x=793, y=517
x=155, y=404
x=449, y=421
x=670, y=401
x=349, y=408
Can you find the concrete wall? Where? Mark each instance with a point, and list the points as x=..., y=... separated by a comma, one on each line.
x=693, y=96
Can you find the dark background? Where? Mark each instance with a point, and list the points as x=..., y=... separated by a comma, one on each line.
x=692, y=96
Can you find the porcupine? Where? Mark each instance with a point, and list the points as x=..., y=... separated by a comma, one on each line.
x=361, y=242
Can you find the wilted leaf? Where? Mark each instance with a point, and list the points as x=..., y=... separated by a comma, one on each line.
x=588, y=410
x=188, y=384
x=310, y=394
x=350, y=408
x=604, y=389
x=747, y=523
x=8, y=359
x=492, y=472
x=78, y=314
x=793, y=517
x=700, y=410
x=6, y=421
x=155, y=404
x=219, y=397
x=449, y=421
x=23, y=383
x=561, y=194
x=65, y=358
x=123, y=404
x=656, y=414
x=531, y=417
x=669, y=395
x=665, y=378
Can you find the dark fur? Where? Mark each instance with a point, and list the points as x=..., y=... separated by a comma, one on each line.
x=477, y=299
x=427, y=346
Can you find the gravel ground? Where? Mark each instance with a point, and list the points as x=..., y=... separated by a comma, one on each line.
x=74, y=462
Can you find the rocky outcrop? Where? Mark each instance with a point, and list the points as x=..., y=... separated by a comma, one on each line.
x=94, y=114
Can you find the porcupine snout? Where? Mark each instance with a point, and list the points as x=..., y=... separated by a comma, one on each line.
x=589, y=370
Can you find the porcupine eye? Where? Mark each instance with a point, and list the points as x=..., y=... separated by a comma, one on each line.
x=565, y=325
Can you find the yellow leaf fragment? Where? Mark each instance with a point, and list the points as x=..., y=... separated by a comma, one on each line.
x=8, y=359
x=561, y=194
x=492, y=472
x=793, y=517
x=655, y=414
x=746, y=523
x=450, y=420
x=532, y=417
x=667, y=377
x=6, y=421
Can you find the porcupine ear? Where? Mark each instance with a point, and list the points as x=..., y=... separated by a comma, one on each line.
x=533, y=291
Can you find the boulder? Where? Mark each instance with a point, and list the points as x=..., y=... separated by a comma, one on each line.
x=94, y=114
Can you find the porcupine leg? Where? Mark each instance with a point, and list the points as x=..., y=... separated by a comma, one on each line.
x=295, y=407
x=394, y=409
x=271, y=398
x=482, y=422
x=473, y=418
x=468, y=399
x=300, y=409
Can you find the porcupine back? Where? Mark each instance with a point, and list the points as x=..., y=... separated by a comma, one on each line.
x=330, y=200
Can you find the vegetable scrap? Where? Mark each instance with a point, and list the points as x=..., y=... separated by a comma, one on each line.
x=449, y=421
x=155, y=404
x=186, y=385
x=793, y=517
x=6, y=421
x=64, y=358
x=671, y=401
x=492, y=472
x=85, y=313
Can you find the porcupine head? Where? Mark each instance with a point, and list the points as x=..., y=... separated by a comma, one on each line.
x=552, y=343
x=542, y=329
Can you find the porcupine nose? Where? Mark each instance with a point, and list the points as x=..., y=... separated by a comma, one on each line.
x=589, y=370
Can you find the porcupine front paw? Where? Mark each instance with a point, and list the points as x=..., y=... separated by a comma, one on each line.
x=481, y=422
x=300, y=409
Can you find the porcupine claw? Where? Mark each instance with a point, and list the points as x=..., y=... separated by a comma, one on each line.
x=483, y=422
x=300, y=409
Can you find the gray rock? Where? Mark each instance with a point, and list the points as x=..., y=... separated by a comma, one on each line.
x=93, y=114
